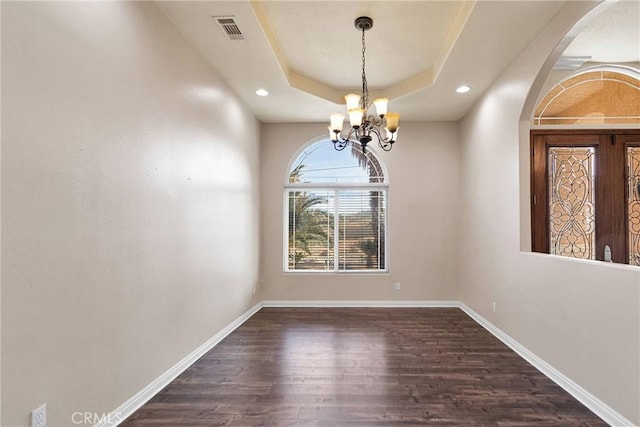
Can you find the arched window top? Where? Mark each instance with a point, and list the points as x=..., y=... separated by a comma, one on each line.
x=598, y=95
x=320, y=163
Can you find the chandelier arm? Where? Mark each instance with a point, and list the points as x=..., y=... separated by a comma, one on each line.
x=385, y=143
x=376, y=131
x=341, y=143
x=357, y=132
x=352, y=132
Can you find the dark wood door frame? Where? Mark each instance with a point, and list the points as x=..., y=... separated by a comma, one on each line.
x=610, y=185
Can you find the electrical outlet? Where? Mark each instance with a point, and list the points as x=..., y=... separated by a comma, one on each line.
x=39, y=416
x=493, y=307
x=397, y=286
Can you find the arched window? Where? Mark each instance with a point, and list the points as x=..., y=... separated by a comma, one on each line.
x=336, y=210
x=594, y=96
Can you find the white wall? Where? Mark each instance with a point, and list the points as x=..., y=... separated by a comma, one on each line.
x=129, y=204
x=582, y=317
x=130, y=208
x=423, y=214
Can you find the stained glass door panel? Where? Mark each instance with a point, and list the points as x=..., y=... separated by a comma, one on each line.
x=633, y=204
x=571, y=198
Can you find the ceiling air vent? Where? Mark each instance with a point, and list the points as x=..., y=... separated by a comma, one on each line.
x=229, y=27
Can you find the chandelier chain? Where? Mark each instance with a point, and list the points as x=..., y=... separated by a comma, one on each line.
x=365, y=89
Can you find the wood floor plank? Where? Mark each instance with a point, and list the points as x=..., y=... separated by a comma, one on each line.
x=332, y=367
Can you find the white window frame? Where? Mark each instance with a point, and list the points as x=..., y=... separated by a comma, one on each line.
x=335, y=188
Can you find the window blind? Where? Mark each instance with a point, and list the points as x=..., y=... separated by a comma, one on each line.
x=340, y=230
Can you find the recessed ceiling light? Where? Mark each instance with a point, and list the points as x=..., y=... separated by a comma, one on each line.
x=262, y=92
x=463, y=89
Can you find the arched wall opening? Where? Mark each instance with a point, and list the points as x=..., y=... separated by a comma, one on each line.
x=569, y=313
x=594, y=96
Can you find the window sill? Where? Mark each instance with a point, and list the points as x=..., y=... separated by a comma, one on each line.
x=336, y=273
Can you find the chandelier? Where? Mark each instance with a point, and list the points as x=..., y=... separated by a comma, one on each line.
x=365, y=126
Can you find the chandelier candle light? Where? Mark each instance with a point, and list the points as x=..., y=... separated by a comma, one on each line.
x=363, y=125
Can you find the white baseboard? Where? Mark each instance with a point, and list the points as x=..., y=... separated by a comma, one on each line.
x=143, y=396
x=358, y=303
x=600, y=408
x=596, y=405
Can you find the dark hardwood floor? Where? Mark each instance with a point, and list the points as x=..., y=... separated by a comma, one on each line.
x=362, y=367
